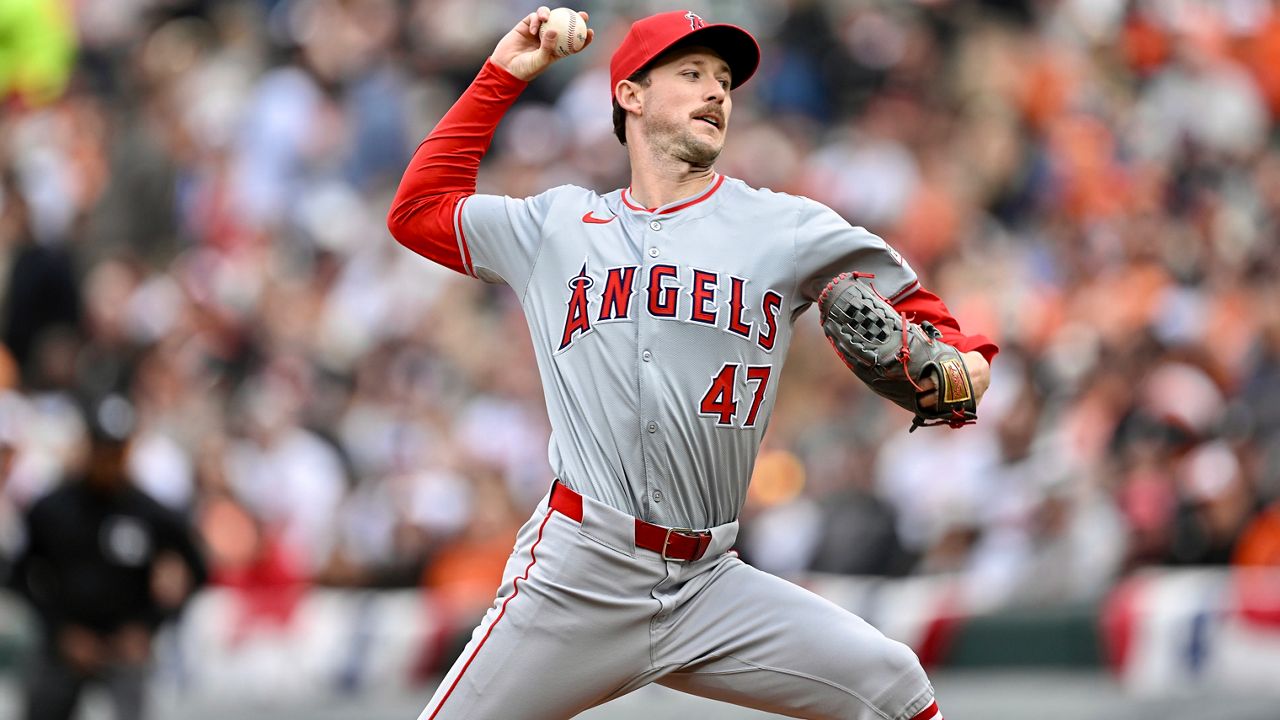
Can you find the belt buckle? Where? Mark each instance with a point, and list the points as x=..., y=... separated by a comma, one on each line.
x=666, y=542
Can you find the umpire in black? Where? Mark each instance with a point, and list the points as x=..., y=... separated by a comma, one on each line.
x=104, y=565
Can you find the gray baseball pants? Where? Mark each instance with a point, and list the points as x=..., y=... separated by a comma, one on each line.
x=583, y=616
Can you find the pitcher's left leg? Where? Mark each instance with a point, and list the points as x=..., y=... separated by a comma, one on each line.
x=752, y=639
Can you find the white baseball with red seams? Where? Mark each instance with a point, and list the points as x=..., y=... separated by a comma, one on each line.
x=660, y=334
x=571, y=31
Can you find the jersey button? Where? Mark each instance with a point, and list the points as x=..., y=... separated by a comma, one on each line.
x=653, y=252
x=655, y=225
x=646, y=355
x=652, y=427
x=657, y=496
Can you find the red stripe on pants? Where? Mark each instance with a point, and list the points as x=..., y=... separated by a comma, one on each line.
x=929, y=713
x=515, y=584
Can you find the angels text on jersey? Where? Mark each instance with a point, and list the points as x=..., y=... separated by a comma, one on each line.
x=669, y=292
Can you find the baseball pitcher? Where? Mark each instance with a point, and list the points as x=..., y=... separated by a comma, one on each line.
x=661, y=315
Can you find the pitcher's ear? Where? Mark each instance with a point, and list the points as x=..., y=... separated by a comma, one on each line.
x=630, y=96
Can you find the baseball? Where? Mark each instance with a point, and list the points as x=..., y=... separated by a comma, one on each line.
x=571, y=31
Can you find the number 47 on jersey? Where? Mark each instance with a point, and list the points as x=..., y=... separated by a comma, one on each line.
x=721, y=401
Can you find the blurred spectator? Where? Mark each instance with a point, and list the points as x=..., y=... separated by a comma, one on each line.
x=10, y=519
x=41, y=299
x=858, y=531
x=1260, y=542
x=103, y=566
x=465, y=569
x=285, y=474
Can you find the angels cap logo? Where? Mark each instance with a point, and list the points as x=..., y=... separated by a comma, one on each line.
x=695, y=22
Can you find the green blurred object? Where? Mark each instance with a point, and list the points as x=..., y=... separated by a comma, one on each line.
x=37, y=50
x=1059, y=637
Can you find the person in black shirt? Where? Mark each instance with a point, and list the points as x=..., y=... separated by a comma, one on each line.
x=103, y=566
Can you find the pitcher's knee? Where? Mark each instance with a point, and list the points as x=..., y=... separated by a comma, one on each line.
x=903, y=659
x=908, y=691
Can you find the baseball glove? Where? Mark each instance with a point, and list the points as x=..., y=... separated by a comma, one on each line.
x=892, y=355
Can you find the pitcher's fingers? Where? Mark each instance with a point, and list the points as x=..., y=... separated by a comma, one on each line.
x=529, y=25
x=537, y=17
x=549, y=40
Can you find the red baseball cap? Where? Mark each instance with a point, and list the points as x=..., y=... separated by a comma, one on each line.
x=656, y=34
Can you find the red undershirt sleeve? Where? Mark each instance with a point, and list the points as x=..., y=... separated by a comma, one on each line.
x=424, y=216
x=923, y=305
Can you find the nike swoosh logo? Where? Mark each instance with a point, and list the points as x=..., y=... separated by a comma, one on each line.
x=589, y=218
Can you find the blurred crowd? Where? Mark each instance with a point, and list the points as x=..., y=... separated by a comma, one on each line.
x=192, y=218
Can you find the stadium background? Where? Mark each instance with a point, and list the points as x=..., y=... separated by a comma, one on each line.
x=192, y=217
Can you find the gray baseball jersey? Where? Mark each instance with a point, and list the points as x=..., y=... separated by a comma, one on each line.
x=660, y=333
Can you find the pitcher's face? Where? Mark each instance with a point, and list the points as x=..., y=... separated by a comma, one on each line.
x=687, y=105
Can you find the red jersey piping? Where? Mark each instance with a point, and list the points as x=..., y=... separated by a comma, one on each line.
x=904, y=292
x=464, y=252
x=631, y=205
x=714, y=187
x=706, y=193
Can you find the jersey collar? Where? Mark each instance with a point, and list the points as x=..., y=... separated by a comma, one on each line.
x=716, y=181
